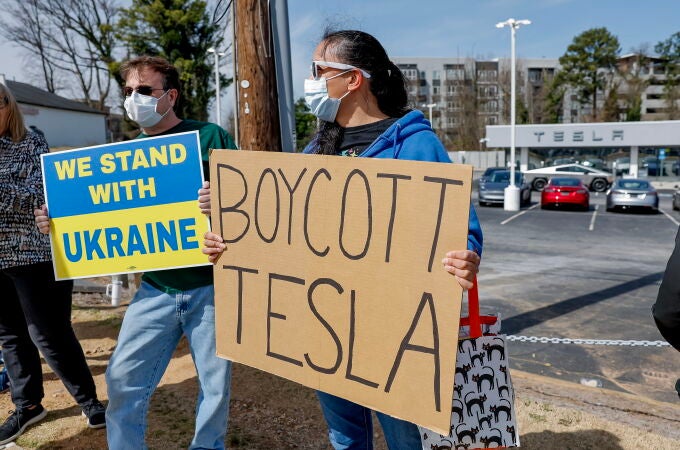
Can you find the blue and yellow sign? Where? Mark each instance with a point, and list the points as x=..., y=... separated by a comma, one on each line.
x=125, y=207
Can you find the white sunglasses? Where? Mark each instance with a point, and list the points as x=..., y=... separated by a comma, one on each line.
x=334, y=65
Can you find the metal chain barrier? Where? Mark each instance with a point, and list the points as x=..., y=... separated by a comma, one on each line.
x=626, y=343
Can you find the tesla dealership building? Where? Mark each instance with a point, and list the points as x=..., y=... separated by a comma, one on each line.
x=638, y=148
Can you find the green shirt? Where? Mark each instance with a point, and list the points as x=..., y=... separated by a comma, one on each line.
x=211, y=137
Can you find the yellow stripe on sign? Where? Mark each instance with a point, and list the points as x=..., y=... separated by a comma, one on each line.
x=132, y=240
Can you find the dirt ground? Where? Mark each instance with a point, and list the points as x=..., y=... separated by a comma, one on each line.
x=268, y=412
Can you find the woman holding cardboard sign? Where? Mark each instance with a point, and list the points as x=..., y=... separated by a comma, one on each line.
x=360, y=98
x=35, y=312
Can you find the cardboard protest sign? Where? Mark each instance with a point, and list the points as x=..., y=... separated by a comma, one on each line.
x=332, y=275
x=125, y=207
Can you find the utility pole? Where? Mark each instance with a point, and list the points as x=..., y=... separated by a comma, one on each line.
x=256, y=92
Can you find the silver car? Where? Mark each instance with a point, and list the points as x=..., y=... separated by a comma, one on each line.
x=595, y=180
x=492, y=188
x=631, y=193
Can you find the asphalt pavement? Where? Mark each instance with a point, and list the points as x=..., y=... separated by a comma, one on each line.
x=581, y=275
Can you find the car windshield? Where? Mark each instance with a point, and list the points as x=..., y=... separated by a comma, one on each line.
x=565, y=182
x=490, y=170
x=633, y=184
x=504, y=177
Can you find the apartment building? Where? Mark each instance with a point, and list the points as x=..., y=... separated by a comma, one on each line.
x=463, y=95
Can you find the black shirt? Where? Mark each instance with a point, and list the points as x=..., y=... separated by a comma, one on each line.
x=356, y=139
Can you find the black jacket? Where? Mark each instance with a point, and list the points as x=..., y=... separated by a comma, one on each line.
x=666, y=310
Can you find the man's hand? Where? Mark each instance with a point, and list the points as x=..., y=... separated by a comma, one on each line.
x=204, y=198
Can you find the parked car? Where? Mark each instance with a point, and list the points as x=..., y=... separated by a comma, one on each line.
x=631, y=193
x=676, y=200
x=596, y=180
x=492, y=189
x=489, y=171
x=621, y=166
x=565, y=192
x=675, y=168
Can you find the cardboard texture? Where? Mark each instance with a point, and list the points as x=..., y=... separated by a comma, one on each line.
x=332, y=276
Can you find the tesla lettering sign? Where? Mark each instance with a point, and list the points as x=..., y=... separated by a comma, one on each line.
x=614, y=134
x=579, y=136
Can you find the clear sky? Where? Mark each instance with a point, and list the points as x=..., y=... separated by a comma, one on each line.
x=450, y=28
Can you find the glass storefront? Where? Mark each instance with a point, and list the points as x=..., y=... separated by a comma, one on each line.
x=662, y=164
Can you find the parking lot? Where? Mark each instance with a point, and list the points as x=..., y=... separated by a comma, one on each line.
x=581, y=275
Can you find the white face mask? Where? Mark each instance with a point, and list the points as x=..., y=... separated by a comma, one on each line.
x=320, y=104
x=142, y=109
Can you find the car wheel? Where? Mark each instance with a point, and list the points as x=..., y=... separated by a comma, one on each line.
x=599, y=185
x=539, y=184
x=676, y=207
x=483, y=203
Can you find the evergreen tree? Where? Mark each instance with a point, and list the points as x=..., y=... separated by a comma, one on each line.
x=181, y=31
x=588, y=57
x=305, y=124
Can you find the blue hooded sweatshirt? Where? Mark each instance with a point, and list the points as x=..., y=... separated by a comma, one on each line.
x=411, y=138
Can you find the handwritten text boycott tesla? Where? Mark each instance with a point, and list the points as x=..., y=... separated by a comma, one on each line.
x=331, y=275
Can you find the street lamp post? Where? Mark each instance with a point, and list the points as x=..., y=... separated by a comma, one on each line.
x=218, y=113
x=511, y=194
x=429, y=107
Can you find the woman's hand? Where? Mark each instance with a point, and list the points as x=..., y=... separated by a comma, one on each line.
x=213, y=246
x=204, y=198
x=42, y=219
x=462, y=264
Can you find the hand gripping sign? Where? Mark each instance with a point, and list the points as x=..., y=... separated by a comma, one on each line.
x=332, y=275
x=125, y=207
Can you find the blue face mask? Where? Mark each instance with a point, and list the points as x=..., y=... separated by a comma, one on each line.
x=320, y=104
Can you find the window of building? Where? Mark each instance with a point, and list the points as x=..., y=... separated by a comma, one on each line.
x=436, y=90
x=487, y=75
x=436, y=75
x=455, y=74
x=411, y=74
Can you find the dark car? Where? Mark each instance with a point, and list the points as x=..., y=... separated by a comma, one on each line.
x=631, y=193
x=676, y=200
x=492, y=189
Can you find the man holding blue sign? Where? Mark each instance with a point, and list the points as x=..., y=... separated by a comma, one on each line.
x=169, y=303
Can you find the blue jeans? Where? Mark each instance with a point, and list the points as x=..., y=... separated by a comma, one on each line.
x=153, y=325
x=350, y=426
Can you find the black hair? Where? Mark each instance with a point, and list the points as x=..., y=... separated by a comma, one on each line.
x=387, y=82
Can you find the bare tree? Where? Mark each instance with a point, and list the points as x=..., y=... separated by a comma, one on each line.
x=74, y=40
x=467, y=118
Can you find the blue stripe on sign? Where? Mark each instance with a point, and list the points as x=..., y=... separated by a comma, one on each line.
x=132, y=174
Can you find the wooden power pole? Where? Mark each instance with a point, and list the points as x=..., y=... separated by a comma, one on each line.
x=257, y=97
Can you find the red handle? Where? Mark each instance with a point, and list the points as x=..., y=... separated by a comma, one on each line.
x=473, y=311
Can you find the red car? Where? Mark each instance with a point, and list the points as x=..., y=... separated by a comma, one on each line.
x=565, y=192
